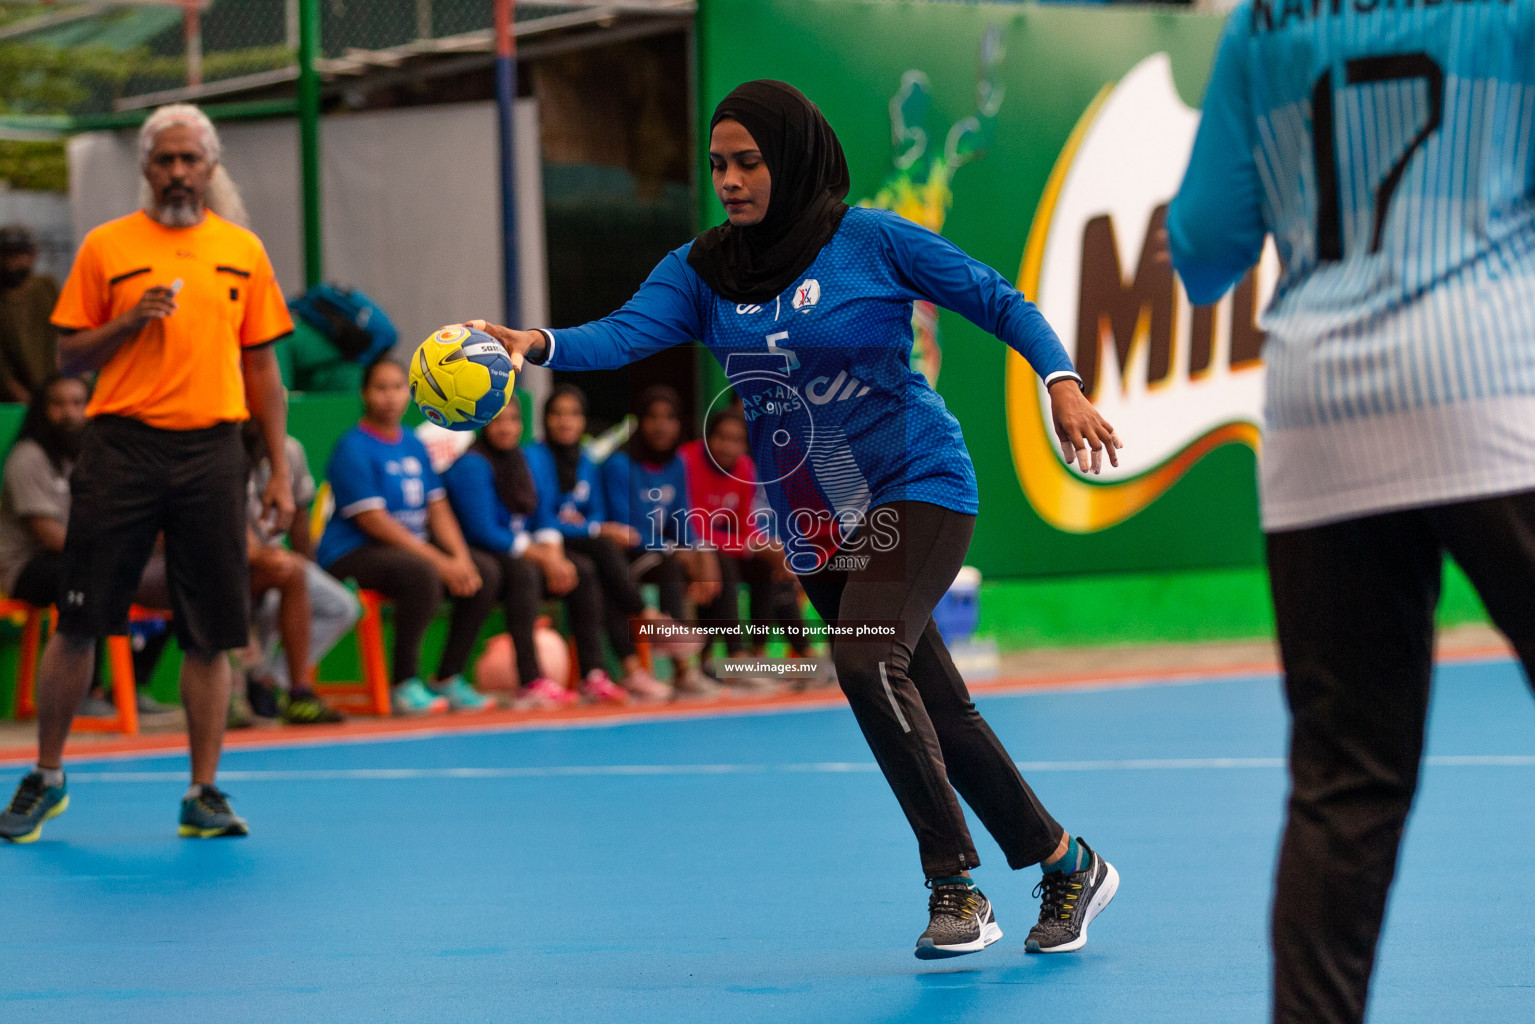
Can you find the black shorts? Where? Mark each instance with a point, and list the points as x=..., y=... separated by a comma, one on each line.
x=133, y=481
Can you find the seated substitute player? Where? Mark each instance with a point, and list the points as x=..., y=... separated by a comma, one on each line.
x=570, y=494
x=496, y=503
x=722, y=487
x=798, y=286
x=294, y=600
x=646, y=487
x=1387, y=151
x=393, y=531
x=177, y=307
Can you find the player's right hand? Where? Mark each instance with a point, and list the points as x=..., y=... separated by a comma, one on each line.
x=515, y=342
x=460, y=576
x=156, y=303
x=560, y=576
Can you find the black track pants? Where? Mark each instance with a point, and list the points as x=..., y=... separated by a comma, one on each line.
x=1355, y=608
x=911, y=703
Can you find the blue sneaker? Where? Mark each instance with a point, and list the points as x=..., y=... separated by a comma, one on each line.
x=208, y=816
x=412, y=699
x=34, y=803
x=463, y=697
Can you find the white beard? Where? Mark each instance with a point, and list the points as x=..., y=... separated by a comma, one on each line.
x=177, y=215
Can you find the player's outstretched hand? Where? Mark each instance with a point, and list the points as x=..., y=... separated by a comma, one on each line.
x=1084, y=434
x=517, y=342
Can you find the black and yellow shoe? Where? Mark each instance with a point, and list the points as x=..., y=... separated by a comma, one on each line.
x=960, y=921
x=34, y=803
x=306, y=708
x=207, y=816
x=1069, y=902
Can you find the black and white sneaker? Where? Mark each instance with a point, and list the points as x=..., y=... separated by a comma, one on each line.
x=960, y=922
x=1069, y=902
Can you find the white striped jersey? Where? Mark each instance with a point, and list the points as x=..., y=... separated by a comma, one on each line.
x=1386, y=145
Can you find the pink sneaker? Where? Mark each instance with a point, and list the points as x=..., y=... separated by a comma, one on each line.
x=543, y=694
x=643, y=686
x=597, y=688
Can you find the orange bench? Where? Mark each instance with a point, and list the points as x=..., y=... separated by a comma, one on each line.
x=119, y=667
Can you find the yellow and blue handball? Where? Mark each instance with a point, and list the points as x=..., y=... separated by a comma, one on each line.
x=460, y=378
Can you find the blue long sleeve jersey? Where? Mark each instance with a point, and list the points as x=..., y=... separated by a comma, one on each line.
x=574, y=513
x=1387, y=148
x=482, y=515
x=837, y=419
x=652, y=499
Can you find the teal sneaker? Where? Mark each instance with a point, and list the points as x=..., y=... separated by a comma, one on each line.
x=207, y=816
x=412, y=699
x=34, y=803
x=462, y=696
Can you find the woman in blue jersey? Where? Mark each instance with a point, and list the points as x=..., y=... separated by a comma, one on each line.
x=394, y=532
x=807, y=305
x=496, y=502
x=647, y=487
x=572, y=499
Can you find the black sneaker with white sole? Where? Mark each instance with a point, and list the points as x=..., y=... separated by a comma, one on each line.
x=1069, y=902
x=960, y=922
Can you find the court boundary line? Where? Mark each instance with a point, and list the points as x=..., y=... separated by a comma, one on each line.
x=513, y=772
x=385, y=730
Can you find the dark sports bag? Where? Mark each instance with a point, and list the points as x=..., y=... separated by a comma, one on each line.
x=356, y=325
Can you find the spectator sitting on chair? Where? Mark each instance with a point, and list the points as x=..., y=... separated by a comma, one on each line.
x=295, y=600
x=28, y=341
x=646, y=487
x=493, y=496
x=394, y=532
x=570, y=496
x=34, y=515
x=722, y=489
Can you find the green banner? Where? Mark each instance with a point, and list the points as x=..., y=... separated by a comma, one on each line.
x=1045, y=142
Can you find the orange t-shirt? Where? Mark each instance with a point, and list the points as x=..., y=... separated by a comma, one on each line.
x=182, y=372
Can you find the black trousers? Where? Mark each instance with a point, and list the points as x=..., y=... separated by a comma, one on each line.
x=773, y=602
x=620, y=598
x=665, y=570
x=522, y=588
x=912, y=704
x=1355, y=608
x=415, y=589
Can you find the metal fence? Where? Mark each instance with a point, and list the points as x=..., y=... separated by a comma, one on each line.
x=93, y=59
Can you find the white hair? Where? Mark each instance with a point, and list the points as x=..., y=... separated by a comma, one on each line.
x=223, y=197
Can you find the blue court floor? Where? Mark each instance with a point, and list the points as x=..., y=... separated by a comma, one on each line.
x=748, y=868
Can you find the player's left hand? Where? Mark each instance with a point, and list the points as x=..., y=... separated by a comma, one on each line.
x=277, y=505
x=1084, y=435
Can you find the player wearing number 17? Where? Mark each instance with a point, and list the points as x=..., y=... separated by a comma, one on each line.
x=1388, y=152
x=798, y=291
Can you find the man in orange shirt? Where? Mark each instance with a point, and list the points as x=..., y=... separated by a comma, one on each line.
x=177, y=308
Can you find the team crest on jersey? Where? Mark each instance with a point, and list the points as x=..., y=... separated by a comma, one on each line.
x=807, y=293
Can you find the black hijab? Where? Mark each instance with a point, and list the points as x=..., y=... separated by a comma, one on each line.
x=514, y=481
x=567, y=457
x=805, y=207
x=638, y=447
